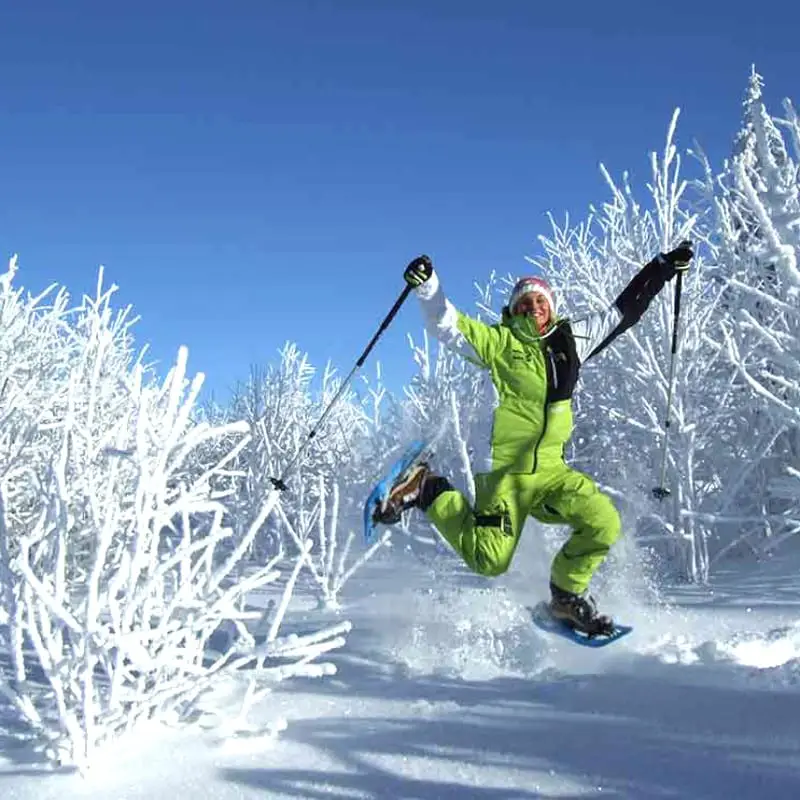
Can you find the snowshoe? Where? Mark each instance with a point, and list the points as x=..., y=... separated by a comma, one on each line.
x=398, y=491
x=403, y=495
x=575, y=617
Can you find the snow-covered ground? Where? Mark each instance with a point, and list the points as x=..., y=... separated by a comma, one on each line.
x=445, y=690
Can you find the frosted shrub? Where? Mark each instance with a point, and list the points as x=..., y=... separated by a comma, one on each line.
x=328, y=552
x=112, y=575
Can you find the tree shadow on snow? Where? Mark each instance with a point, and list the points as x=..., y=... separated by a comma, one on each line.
x=311, y=785
x=767, y=585
x=20, y=750
x=635, y=736
x=18, y=745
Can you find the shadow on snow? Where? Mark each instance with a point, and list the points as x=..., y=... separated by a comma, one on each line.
x=645, y=735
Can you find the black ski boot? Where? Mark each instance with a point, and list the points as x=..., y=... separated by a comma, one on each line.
x=405, y=494
x=579, y=611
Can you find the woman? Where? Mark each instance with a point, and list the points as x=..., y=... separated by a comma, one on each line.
x=533, y=357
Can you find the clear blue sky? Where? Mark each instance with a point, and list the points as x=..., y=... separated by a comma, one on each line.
x=256, y=172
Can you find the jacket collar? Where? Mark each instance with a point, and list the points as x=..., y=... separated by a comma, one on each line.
x=524, y=327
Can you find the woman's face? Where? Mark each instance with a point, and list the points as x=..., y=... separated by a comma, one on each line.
x=535, y=305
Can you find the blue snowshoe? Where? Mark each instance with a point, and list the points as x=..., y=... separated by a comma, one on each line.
x=398, y=490
x=575, y=617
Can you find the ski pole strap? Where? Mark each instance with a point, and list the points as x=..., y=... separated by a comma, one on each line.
x=502, y=521
x=661, y=492
x=676, y=311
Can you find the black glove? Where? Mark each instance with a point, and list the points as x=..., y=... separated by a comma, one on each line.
x=680, y=257
x=418, y=271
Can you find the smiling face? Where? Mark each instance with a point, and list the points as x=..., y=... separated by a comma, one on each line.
x=536, y=305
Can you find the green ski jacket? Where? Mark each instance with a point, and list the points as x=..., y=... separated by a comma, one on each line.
x=534, y=376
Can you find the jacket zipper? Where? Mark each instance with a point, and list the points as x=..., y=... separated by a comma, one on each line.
x=548, y=363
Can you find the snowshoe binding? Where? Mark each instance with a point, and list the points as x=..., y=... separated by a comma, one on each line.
x=579, y=611
x=404, y=494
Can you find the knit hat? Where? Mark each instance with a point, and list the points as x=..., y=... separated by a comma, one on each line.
x=531, y=284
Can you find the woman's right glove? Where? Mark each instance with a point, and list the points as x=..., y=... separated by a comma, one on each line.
x=418, y=271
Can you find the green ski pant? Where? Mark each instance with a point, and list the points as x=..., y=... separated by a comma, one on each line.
x=487, y=536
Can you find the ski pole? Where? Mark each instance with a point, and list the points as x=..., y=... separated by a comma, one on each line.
x=280, y=483
x=661, y=491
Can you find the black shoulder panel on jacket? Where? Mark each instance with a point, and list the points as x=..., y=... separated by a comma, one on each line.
x=562, y=362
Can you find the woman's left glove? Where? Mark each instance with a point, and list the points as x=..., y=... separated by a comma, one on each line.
x=680, y=257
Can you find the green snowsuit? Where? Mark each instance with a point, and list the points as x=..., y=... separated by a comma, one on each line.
x=525, y=474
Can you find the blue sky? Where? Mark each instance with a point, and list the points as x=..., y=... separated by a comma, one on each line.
x=256, y=172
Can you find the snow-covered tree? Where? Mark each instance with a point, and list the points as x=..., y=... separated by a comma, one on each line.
x=756, y=207
x=721, y=448
x=622, y=402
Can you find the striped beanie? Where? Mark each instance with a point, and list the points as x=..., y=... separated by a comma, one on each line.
x=527, y=285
